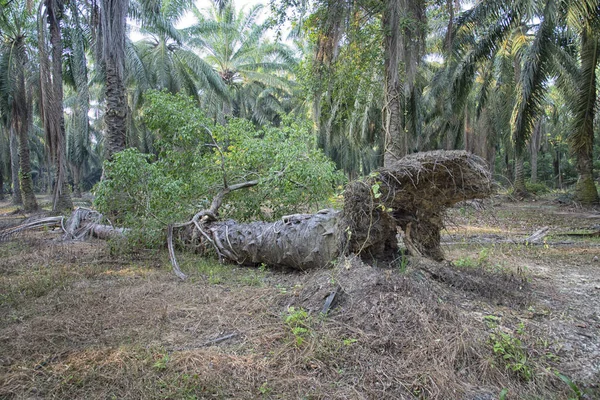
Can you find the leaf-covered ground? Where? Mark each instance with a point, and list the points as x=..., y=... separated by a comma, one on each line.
x=82, y=320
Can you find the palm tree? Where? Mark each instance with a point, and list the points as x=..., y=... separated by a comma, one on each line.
x=253, y=69
x=112, y=32
x=478, y=36
x=16, y=95
x=582, y=137
x=52, y=100
x=403, y=24
x=77, y=126
x=162, y=63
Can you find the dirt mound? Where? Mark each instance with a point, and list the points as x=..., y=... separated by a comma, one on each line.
x=416, y=324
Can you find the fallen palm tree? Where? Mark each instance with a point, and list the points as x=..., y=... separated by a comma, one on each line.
x=409, y=197
x=411, y=194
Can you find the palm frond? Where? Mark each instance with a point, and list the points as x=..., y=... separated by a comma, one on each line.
x=532, y=80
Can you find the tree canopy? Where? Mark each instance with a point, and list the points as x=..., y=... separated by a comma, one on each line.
x=365, y=81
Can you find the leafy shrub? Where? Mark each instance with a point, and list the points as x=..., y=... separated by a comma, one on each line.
x=537, y=188
x=197, y=157
x=138, y=194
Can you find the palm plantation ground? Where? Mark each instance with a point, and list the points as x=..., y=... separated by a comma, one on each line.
x=86, y=320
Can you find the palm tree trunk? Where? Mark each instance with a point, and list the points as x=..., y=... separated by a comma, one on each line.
x=17, y=198
x=116, y=111
x=402, y=23
x=534, y=144
x=583, y=142
x=29, y=200
x=556, y=168
x=113, y=19
x=1, y=181
x=76, y=181
x=519, y=185
x=54, y=122
x=21, y=121
x=395, y=146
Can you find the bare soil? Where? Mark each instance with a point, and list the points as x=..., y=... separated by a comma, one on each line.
x=86, y=320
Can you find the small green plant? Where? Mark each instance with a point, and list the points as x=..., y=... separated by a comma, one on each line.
x=298, y=321
x=465, y=262
x=537, y=188
x=491, y=321
x=375, y=189
x=578, y=394
x=402, y=263
x=161, y=363
x=513, y=354
x=503, y=394
x=264, y=389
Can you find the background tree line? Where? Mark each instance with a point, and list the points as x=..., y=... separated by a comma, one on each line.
x=514, y=82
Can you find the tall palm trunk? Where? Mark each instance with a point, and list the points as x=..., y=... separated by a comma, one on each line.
x=21, y=119
x=534, y=147
x=583, y=139
x=1, y=180
x=113, y=30
x=519, y=185
x=52, y=105
x=395, y=140
x=519, y=182
x=17, y=198
x=79, y=138
x=403, y=26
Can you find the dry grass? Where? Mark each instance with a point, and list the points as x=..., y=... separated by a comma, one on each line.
x=78, y=322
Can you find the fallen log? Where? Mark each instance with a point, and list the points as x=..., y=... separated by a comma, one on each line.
x=411, y=195
x=82, y=223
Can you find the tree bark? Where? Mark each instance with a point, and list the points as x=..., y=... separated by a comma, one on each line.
x=76, y=170
x=17, y=198
x=519, y=184
x=52, y=104
x=534, y=147
x=79, y=138
x=1, y=180
x=395, y=139
x=113, y=19
x=585, y=190
x=21, y=120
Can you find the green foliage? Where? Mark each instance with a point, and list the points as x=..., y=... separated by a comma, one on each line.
x=139, y=194
x=471, y=262
x=197, y=158
x=536, y=188
x=577, y=393
x=161, y=363
x=513, y=354
x=503, y=394
x=298, y=321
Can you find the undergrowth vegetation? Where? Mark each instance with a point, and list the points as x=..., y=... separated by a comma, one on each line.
x=197, y=158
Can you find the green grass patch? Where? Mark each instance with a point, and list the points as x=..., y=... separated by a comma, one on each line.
x=216, y=273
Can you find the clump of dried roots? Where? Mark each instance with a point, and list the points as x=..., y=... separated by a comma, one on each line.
x=412, y=194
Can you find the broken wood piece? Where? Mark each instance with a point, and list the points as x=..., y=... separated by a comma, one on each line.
x=538, y=235
x=329, y=301
x=220, y=339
